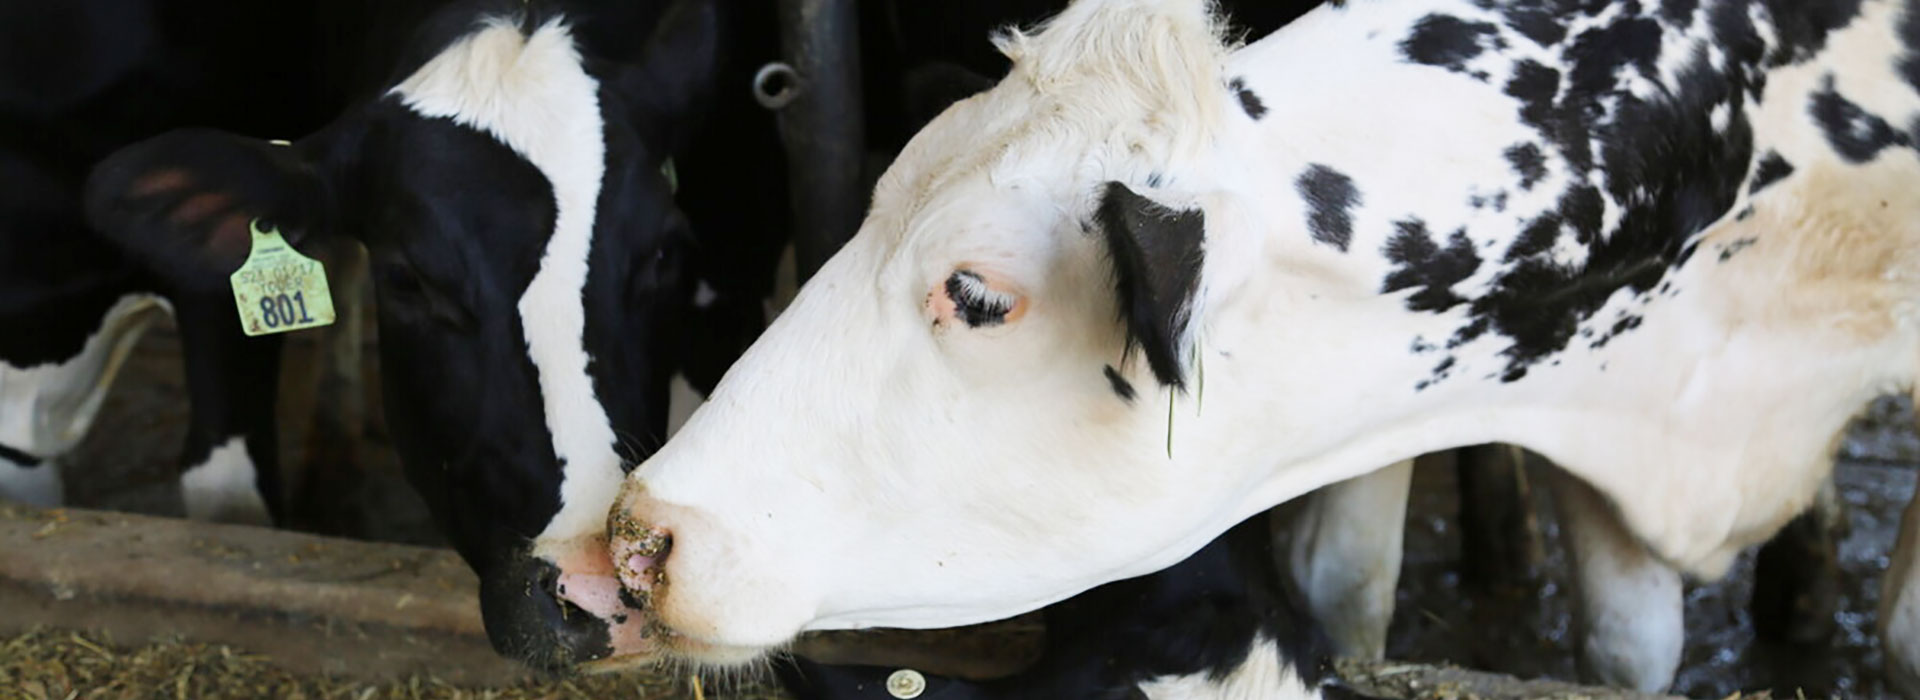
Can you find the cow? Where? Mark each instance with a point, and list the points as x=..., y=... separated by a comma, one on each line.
x=1152, y=283
x=506, y=175
x=78, y=80
x=1218, y=624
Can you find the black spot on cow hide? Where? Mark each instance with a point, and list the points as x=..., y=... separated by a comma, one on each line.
x=1248, y=101
x=1420, y=262
x=1801, y=27
x=1772, y=167
x=1331, y=197
x=1448, y=41
x=1528, y=163
x=1855, y=133
x=1537, y=23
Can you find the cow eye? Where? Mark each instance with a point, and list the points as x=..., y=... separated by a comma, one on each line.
x=976, y=303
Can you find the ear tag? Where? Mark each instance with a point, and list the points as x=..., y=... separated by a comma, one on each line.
x=278, y=289
x=672, y=175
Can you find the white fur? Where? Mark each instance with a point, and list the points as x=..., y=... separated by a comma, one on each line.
x=534, y=95
x=39, y=485
x=224, y=488
x=1631, y=603
x=858, y=468
x=1346, y=553
x=1263, y=676
x=46, y=409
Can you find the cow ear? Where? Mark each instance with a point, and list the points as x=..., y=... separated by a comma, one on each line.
x=1156, y=253
x=935, y=86
x=181, y=203
x=672, y=84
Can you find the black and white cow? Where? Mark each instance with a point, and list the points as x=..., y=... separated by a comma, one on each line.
x=527, y=256
x=1663, y=244
x=77, y=80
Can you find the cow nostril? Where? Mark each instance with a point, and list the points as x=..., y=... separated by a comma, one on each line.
x=638, y=556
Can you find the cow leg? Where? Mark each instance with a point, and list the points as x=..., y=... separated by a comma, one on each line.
x=1796, y=577
x=47, y=409
x=1346, y=556
x=1900, y=607
x=1630, y=602
x=230, y=464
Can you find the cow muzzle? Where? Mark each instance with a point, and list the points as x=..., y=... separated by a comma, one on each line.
x=706, y=592
x=556, y=616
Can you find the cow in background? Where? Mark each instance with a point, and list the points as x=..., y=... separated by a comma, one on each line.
x=504, y=172
x=78, y=80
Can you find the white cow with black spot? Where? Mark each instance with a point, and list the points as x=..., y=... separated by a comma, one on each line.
x=1152, y=283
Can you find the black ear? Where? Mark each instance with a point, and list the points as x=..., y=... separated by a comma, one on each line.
x=673, y=82
x=180, y=203
x=935, y=86
x=1157, y=254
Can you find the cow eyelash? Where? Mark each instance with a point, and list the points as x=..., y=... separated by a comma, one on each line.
x=976, y=303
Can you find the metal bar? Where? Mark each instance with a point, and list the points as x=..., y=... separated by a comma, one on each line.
x=822, y=126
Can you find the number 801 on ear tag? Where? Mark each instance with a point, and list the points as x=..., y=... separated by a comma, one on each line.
x=278, y=289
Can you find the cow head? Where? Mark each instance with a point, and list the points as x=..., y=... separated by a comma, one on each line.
x=527, y=260
x=1008, y=387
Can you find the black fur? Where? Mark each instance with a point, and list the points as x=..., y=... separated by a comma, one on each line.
x=1423, y=263
x=1528, y=163
x=1772, y=167
x=26, y=460
x=1331, y=198
x=1448, y=41
x=1855, y=133
x=1156, y=254
x=1669, y=170
x=1248, y=101
x=1121, y=387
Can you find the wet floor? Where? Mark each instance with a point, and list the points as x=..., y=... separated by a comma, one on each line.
x=1525, y=630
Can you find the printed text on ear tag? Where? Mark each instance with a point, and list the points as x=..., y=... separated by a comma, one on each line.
x=278, y=289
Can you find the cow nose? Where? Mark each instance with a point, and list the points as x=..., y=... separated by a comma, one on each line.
x=639, y=553
x=528, y=620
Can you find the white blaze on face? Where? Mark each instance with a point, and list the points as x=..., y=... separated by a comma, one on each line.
x=223, y=488
x=533, y=94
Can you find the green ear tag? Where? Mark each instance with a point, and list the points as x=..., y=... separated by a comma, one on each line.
x=672, y=175
x=278, y=289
